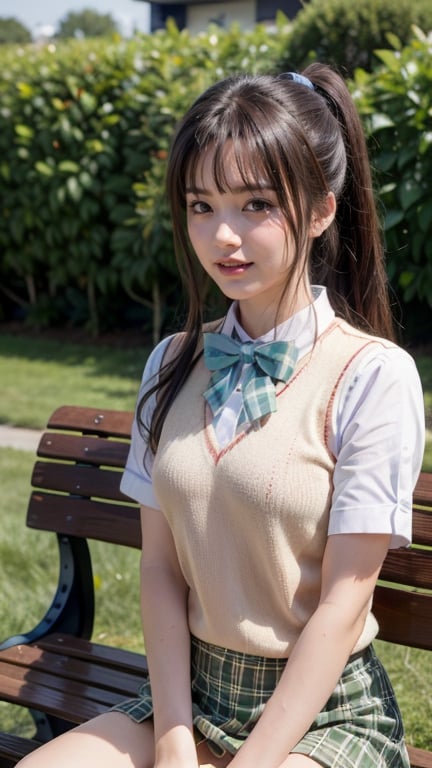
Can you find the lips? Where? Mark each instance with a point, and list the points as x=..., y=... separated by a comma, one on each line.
x=233, y=267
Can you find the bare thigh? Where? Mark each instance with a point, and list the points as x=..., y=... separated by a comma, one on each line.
x=299, y=761
x=112, y=739
x=207, y=760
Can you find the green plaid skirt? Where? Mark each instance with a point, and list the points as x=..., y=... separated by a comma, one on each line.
x=359, y=727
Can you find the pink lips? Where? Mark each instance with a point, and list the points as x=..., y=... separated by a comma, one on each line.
x=233, y=268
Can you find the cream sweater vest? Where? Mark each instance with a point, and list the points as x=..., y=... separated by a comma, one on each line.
x=250, y=521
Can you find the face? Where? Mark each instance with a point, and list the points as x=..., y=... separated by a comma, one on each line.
x=241, y=239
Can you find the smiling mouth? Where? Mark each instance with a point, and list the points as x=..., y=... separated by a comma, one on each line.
x=233, y=267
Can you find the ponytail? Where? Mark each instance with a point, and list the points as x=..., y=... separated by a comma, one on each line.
x=349, y=257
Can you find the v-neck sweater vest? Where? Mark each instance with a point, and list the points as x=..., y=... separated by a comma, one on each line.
x=250, y=520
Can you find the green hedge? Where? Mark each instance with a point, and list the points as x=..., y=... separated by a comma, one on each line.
x=84, y=131
x=85, y=126
x=346, y=34
x=396, y=104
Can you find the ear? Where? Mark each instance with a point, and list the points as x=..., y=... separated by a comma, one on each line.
x=323, y=219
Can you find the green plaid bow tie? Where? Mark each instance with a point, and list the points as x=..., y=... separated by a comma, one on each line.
x=269, y=362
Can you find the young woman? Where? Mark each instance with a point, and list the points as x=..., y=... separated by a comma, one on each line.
x=274, y=453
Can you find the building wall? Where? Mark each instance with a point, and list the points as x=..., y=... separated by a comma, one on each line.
x=243, y=12
x=267, y=9
x=160, y=12
x=197, y=16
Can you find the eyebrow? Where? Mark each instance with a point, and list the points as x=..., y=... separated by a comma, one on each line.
x=240, y=189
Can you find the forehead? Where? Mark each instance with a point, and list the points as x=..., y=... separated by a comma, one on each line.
x=226, y=167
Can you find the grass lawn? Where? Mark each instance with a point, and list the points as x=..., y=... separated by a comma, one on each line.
x=35, y=377
x=38, y=375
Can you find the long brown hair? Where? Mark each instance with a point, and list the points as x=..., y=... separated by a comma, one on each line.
x=307, y=141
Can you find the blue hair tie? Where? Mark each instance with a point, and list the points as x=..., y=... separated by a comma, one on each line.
x=301, y=79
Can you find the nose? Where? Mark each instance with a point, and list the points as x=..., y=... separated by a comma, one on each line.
x=226, y=234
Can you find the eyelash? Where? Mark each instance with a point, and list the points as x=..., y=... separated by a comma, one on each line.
x=193, y=205
x=265, y=205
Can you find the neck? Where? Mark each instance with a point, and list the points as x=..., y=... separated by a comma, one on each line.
x=257, y=321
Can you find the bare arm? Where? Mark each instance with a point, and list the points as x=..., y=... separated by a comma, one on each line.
x=164, y=615
x=350, y=569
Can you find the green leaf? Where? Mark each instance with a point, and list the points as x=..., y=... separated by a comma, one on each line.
x=380, y=121
x=5, y=172
x=74, y=189
x=386, y=160
x=24, y=131
x=388, y=58
x=86, y=180
x=406, y=156
x=425, y=216
x=25, y=90
x=392, y=219
x=405, y=279
x=409, y=193
x=394, y=41
x=58, y=104
x=95, y=146
x=44, y=168
x=68, y=166
x=88, y=102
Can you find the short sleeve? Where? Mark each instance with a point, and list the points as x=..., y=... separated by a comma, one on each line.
x=378, y=436
x=136, y=481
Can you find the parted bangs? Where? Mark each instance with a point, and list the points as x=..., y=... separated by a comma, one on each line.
x=261, y=150
x=252, y=169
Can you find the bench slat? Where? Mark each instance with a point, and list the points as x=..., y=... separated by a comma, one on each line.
x=114, y=523
x=422, y=527
x=412, y=567
x=423, y=489
x=419, y=758
x=72, y=668
x=77, y=479
x=56, y=702
x=92, y=420
x=87, y=449
x=13, y=747
x=403, y=617
x=95, y=652
x=19, y=678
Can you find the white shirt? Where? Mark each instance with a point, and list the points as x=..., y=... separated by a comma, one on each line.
x=377, y=432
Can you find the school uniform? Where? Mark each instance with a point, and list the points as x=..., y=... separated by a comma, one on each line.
x=251, y=506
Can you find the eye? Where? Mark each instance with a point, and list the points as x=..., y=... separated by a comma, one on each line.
x=198, y=207
x=257, y=205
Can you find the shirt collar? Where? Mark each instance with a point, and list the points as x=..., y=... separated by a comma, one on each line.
x=303, y=327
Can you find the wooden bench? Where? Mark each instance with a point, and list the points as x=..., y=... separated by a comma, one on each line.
x=55, y=670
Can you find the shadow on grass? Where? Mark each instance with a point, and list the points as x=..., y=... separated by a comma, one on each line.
x=38, y=375
x=104, y=358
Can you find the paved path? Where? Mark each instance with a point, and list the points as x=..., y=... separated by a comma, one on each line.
x=21, y=439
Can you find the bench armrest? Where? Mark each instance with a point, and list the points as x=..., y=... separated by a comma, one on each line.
x=72, y=608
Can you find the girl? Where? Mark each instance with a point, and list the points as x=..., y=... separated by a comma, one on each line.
x=274, y=454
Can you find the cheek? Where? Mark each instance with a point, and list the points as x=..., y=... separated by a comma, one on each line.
x=195, y=231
